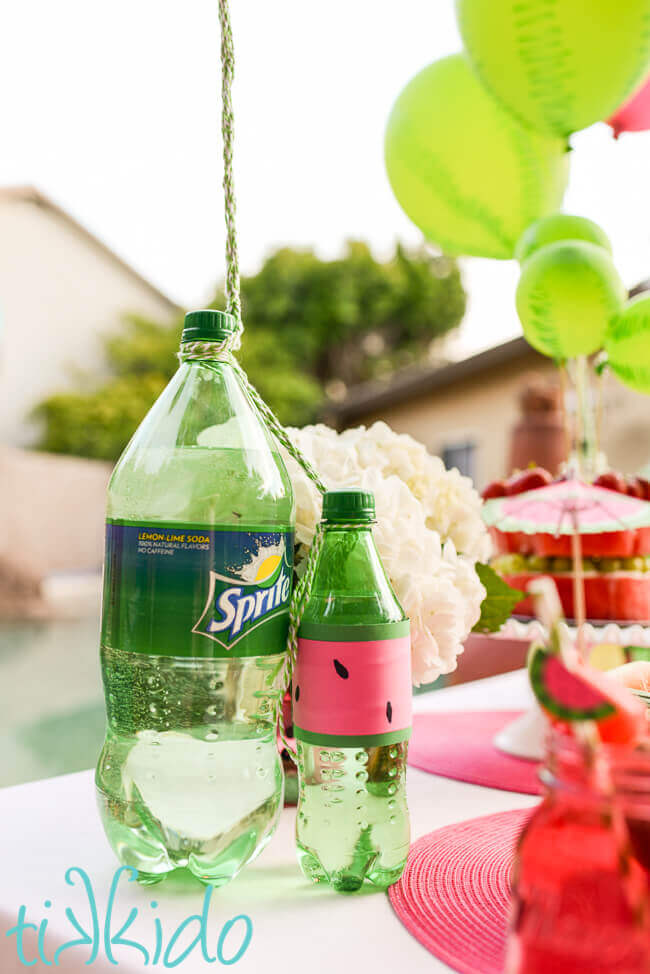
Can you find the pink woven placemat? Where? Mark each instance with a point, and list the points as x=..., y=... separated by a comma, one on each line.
x=459, y=746
x=454, y=894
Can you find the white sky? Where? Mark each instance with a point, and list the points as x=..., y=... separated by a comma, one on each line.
x=113, y=110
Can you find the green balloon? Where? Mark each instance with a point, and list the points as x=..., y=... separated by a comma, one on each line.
x=628, y=344
x=559, y=226
x=567, y=294
x=558, y=65
x=464, y=170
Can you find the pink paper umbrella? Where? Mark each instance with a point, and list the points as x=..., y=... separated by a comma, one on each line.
x=567, y=507
x=573, y=508
x=634, y=114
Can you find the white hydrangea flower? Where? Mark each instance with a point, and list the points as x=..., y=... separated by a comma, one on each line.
x=429, y=530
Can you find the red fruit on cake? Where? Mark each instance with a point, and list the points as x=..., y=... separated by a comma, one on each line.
x=635, y=488
x=611, y=481
x=530, y=479
x=496, y=489
x=616, y=564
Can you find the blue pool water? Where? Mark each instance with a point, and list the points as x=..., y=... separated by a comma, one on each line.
x=51, y=704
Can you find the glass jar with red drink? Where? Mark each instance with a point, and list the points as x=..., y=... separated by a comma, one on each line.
x=581, y=900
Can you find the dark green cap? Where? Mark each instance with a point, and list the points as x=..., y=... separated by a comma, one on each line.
x=349, y=505
x=208, y=326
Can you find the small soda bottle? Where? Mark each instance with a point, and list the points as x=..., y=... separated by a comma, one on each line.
x=352, y=708
x=197, y=584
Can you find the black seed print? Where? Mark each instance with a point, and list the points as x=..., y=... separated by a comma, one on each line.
x=341, y=670
x=297, y=694
x=389, y=712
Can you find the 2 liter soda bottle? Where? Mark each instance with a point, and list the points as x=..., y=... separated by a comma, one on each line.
x=352, y=708
x=197, y=584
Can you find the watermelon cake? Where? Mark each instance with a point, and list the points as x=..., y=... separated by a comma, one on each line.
x=616, y=564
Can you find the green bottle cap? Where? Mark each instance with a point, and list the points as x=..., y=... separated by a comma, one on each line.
x=349, y=505
x=208, y=326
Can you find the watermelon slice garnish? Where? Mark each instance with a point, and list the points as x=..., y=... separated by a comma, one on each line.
x=563, y=693
x=575, y=691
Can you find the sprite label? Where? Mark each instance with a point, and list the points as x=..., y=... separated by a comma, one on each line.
x=184, y=590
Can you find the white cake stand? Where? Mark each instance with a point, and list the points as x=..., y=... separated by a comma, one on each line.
x=525, y=736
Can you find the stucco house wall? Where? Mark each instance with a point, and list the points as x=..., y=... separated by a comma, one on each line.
x=61, y=291
x=56, y=506
x=478, y=403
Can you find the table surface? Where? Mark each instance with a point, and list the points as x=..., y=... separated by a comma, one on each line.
x=50, y=826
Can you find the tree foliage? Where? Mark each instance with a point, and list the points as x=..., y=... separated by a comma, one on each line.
x=309, y=323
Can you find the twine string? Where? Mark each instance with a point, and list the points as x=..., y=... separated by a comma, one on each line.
x=233, y=299
x=221, y=351
x=197, y=350
x=299, y=599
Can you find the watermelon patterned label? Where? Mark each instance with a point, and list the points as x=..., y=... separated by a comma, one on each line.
x=353, y=691
x=182, y=590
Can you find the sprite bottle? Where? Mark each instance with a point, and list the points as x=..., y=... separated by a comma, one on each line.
x=197, y=585
x=352, y=708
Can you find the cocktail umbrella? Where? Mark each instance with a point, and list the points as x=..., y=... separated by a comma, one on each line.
x=569, y=507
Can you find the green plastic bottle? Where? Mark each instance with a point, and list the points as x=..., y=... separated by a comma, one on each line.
x=197, y=584
x=352, y=708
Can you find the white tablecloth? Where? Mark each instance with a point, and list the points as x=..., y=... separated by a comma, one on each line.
x=49, y=826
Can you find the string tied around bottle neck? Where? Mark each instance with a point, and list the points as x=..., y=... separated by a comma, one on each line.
x=222, y=352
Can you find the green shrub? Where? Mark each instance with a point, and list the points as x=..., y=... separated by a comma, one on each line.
x=307, y=322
